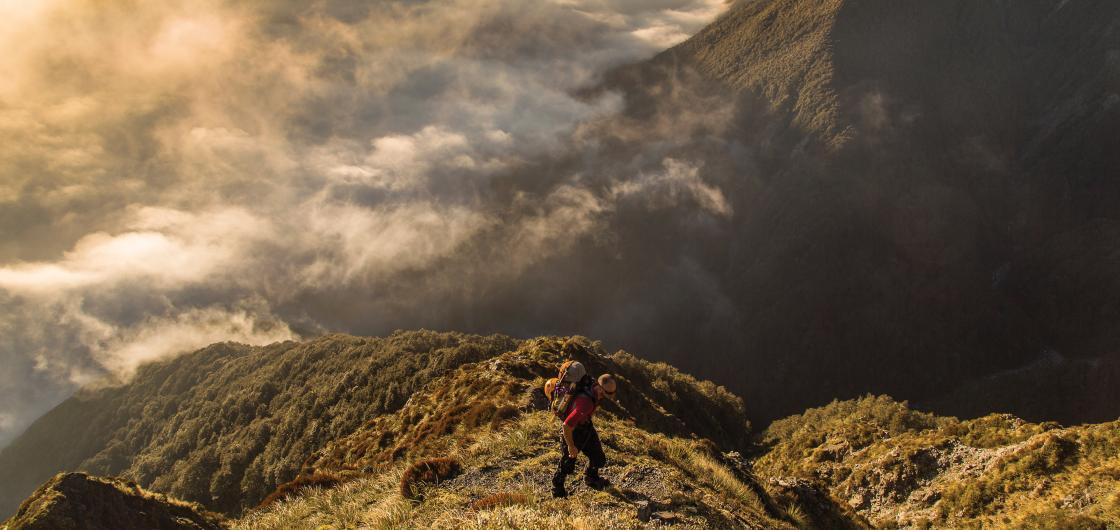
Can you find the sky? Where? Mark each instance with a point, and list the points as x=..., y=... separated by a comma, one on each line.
x=174, y=174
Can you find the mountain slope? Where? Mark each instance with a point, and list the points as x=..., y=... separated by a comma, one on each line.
x=665, y=438
x=923, y=197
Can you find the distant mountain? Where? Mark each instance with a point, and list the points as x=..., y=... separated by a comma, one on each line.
x=924, y=195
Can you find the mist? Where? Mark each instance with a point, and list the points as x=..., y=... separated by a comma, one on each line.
x=177, y=174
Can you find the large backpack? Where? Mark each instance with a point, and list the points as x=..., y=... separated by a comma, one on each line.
x=562, y=390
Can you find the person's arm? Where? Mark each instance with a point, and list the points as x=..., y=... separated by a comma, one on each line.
x=573, y=451
x=581, y=412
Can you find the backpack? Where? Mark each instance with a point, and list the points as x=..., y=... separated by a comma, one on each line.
x=561, y=392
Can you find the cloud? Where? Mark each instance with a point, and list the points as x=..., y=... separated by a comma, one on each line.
x=678, y=181
x=159, y=338
x=161, y=247
x=358, y=245
x=660, y=24
x=178, y=173
x=566, y=215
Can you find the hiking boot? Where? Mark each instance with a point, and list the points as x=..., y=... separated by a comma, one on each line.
x=596, y=482
x=558, y=492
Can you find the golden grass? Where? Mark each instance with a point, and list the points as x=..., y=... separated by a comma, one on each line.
x=426, y=473
x=505, y=483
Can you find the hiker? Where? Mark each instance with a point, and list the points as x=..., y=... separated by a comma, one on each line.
x=576, y=402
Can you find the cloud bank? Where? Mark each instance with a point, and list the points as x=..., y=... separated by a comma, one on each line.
x=179, y=173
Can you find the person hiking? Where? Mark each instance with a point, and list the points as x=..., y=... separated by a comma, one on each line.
x=576, y=407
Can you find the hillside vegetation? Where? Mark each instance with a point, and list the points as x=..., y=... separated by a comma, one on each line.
x=472, y=447
x=225, y=425
x=665, y=438
x=77, y=500
x=906, y=469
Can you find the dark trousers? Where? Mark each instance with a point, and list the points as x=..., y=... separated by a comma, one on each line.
x=587, y=441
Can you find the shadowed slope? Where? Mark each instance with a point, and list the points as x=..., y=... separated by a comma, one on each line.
x=922, y=197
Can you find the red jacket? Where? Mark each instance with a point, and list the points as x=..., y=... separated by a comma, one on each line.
x=582, y=409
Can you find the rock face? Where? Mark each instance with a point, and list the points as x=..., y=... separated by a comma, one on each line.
x=79, y=501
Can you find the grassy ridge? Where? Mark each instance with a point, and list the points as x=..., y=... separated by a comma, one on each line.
x=664, y=437
x=225, y=426
x=433, y=430
x=506, y=484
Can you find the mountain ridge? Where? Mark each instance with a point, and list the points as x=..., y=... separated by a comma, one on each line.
x=681, y=451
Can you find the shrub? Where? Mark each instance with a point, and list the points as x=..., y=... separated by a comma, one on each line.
x=499, y=499
x=1056, y=518
x=321, y=480
x=503, y=414
x=431, y=471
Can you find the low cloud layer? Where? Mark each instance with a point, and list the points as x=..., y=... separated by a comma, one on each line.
x=177, y=174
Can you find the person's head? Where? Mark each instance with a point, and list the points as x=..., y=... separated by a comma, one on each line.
x=608, y=385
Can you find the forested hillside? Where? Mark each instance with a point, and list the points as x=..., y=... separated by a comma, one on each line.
x=226, y=424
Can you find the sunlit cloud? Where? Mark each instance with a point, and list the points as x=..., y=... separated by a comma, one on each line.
x=175, y=174
x=677, y=181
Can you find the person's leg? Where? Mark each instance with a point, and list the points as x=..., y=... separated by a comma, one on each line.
x=563, y=469
x=596, y=458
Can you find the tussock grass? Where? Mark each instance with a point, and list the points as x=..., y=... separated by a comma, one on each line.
x=321, y=480
x=501, y=499
x=427, y=472
x=692, y=457
x=372, y=502
x=505, y=483
x=476, y=417
x=994, y=471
